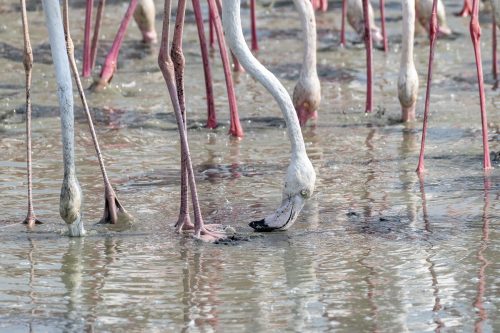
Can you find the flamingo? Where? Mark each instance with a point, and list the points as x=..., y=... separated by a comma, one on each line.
x=63, y=58
x=408, y=77
x=307, y=91
x=300, y=177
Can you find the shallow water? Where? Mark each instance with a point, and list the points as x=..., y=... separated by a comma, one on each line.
x=375, y=249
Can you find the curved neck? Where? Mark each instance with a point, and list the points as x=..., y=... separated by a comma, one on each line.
x=408, y=33
x=232, y=28
x=308, y=22
x=64, y=86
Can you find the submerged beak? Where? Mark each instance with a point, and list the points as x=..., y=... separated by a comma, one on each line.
x=283, y=217
x=304, y=114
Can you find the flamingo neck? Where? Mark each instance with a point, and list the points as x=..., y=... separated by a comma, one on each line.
x=64, y=86
x=408, y=33
x=232, y=28
x=308, y=22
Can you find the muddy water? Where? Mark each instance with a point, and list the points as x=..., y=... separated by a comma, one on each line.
x=375, y=249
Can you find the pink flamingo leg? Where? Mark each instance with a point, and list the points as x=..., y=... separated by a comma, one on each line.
x=235, y=127
x=315, y=4
x=211, y=118
x=342, y=27
x=236, y=64
x=433, y=32
x=382, y=18
x=30, y=219
x=369, y=62
x=109, y=67
x=253, y=22
x=179, y=65
x=475, y=32
x=87, y=64
x=97, y=29
x=466, y=9
x=166, y=65
x=494, y=50
x=211, y=30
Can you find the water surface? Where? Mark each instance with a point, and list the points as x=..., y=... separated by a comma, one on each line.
x=375, y=249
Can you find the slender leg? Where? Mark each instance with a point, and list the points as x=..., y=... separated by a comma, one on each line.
x=179, y=64
x=253, y=22
x=433, y=33
x=494, y=50
x=315, y=4
x=211, y=30
x=342, y=27
x=466, y=9
x=30, y=219
x=235, y=127
x=167, y=68
x=87, y=66
x=236, y=64
x=109, y=67
x=211, y=118
x=113, y=210
x=475, y=32
x=382, y=18
x=369, y=62
x=97, y=29
x=71, y=194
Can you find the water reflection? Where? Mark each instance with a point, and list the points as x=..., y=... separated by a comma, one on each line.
x=484, y=263
x=201, y=280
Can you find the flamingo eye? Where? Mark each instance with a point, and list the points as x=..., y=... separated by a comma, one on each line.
x=304, y=193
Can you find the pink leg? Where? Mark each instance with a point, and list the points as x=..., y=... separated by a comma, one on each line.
x=466, y=9
x=475, y=32
x=494, y=50
x=323, y=6
x=30, y=219
x=114, y=212
x=87, y=65
x=253, y=22
x=167, y=68
x=382, y=18
x=211, y=119
x=235, y=127
x=97, y=30
x=236, y=64
x=211, y=30
x=109, y=67
x=433, y=32
x=179, y=64
x=342, y=27
x=369, y=62
x=315, y=4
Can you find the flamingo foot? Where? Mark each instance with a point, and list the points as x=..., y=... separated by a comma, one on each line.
x=408, y=113
x=31, y=220
x=114, y=213
x=184, y=223
x=100, y=84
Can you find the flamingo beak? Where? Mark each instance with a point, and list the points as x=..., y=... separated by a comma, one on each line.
x=304, y=114
x=283, y=217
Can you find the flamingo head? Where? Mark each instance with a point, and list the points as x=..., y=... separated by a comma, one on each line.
x=299, y=187
x=306, y=99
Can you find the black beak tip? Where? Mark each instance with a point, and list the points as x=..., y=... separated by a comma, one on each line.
x=261, y=226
